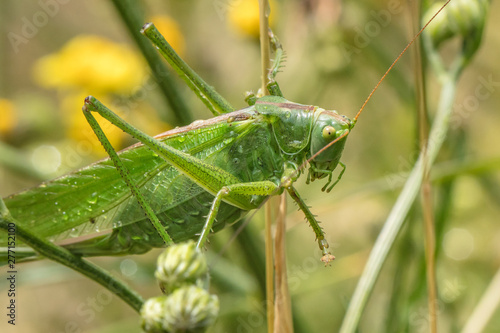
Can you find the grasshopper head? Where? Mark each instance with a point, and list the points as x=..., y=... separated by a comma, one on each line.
x=328, y=127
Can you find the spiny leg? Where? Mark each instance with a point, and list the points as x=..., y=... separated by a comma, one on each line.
x=122, y=169
x=206, y=93
x=262, y=188
x=320, y=235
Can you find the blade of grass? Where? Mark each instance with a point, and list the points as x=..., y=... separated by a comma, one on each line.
x=486, y=307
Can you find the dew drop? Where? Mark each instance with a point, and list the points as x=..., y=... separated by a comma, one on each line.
x=197, y=122
x=179, y=221
x=73, y=232
x=256, y=173
x=254, y=199
x=93, y=198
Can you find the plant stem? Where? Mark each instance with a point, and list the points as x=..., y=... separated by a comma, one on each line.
x=426, y=188
x=283, y=313
x=264, y=43
x=66, y=258
x=265, y=65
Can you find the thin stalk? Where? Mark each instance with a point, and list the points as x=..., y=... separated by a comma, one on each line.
x=264, y=44
x=269, y=267
x=130, y=12
x=430, y=250
x=265, y=65
x=283, y=314
x=426, y=188
x=66, y=258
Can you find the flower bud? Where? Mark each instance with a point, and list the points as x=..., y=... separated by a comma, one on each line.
x=152, y=314
x=463, y=18
x=190, y=309
x=180, y=264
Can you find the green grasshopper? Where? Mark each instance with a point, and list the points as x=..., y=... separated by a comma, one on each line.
x=196, y=178
x=191, y=180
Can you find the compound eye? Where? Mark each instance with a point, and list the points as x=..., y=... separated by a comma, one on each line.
x=329, y=132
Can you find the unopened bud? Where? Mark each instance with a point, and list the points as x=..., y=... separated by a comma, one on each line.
x=152, y=314
x=180, y=264
x=190, y=309
x=463, y=18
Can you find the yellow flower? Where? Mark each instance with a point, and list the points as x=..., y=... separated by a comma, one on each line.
x=8, y=117
x=91, y=63
x=243, y=16
x=170, y=30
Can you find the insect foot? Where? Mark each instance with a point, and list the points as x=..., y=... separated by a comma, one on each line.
x=327, y=256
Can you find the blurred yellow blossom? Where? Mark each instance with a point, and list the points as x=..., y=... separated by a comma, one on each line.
x=8, y=117
x=243, y=16
x=91, y=63
x=171, y=31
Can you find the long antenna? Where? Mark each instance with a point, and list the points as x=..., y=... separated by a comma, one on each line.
x=397, y=59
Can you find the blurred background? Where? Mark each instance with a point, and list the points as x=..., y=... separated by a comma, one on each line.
x=53, y=53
